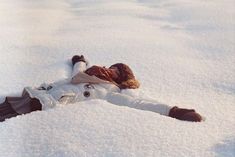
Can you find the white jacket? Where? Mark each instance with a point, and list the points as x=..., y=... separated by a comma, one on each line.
x=65, y=92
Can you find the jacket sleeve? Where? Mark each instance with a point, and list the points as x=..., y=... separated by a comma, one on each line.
x=141, y=104
x=79, y=67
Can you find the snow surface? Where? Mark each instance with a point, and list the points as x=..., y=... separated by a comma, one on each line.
x=181, y=51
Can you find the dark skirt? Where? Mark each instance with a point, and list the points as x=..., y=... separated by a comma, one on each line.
x=14, y=106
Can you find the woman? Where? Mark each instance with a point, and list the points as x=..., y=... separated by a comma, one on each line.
x=89, y=83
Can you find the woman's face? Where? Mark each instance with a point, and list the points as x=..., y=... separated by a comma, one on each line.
x=115, y=71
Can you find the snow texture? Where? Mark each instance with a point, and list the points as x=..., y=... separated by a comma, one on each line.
x=181, y=51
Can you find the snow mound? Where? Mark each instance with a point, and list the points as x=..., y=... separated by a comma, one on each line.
x=97, y=128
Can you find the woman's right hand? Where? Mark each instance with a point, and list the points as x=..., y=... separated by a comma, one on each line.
x=78, y=58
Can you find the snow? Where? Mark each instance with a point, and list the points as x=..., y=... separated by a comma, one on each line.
x=181, y=51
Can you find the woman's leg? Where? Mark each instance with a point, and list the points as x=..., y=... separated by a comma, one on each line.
x=6, y=111
x=25, y=103
x=35, y=104
x=14, y=106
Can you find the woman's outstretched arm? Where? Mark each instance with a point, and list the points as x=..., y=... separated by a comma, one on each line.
x=125, y=100
x=79, y=64
x=148, y=105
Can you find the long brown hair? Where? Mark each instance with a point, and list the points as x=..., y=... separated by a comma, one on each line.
x=127, y=78
x=130, y=84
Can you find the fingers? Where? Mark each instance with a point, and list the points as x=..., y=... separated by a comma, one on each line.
x=77, y=58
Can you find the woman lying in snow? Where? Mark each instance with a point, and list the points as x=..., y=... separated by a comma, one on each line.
x=89, y=83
